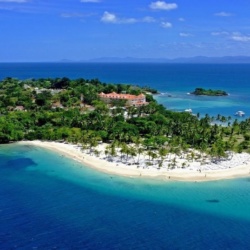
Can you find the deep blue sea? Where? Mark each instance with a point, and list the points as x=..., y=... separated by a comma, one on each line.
x=48, y=201
x=51, y=202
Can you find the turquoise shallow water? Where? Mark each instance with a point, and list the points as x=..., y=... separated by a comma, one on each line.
x=51, y=202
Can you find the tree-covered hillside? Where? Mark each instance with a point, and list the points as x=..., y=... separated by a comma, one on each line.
x=70, y=110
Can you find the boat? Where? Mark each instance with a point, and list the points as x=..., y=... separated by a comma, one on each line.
x=240, y=113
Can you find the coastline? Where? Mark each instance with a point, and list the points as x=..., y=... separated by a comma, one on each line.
x=98, y=163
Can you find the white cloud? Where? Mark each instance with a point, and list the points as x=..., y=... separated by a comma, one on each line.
x=240, y=38
x=5, y=8
x=112, y=18
x=14, y=1
x=185, y=34
x=166, y=25
x=68, y=15
x=109, y=17
x=161, y=5
x=90, y=1
x=128, y=20
x=75, y=14
x=223, y=14
x=148, y=19
x=221, y=33
x=181, y=19
x=235, y=36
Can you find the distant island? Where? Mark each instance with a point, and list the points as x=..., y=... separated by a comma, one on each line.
x=195, y=59
x=209, y=92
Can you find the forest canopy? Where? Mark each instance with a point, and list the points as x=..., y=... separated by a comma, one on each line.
x=209, y=92
x=61, y=109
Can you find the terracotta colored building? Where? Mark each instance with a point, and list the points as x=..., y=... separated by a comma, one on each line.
x=131, y=100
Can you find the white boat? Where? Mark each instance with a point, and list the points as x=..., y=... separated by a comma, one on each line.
x=240, y=113
x=188, y=110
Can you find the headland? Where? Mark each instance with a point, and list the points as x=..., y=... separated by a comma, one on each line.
x=121, y=129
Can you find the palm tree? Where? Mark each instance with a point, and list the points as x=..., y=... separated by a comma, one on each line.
x=162, y=153
x=132, y=152
x=174, y=162
x=140, y=150
x=93, y=142
x=124, y=150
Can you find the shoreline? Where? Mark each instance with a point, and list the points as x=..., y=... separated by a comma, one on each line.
x=73, y=152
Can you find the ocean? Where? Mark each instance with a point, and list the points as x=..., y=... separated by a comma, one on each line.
x=48, y=201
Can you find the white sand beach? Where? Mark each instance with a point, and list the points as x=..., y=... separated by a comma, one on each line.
x=237, y=166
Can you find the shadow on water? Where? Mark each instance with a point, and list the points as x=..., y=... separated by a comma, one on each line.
x=19, y=163
x=213, y=201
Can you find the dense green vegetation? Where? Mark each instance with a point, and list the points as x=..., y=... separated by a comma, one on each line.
x=52, y=109
x=209, y=92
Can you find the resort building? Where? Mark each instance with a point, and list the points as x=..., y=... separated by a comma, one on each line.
x=57, y=105
x=131, y=100
x=19, y=108
x=52, y=91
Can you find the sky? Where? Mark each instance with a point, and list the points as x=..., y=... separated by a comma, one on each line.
x=54, y=30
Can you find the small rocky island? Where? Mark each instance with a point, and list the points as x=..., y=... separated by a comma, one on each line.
x=209, y=92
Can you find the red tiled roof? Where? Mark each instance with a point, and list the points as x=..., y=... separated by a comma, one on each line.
x=114, y=95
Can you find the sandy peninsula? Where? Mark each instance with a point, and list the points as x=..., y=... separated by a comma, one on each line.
x=238, y=165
